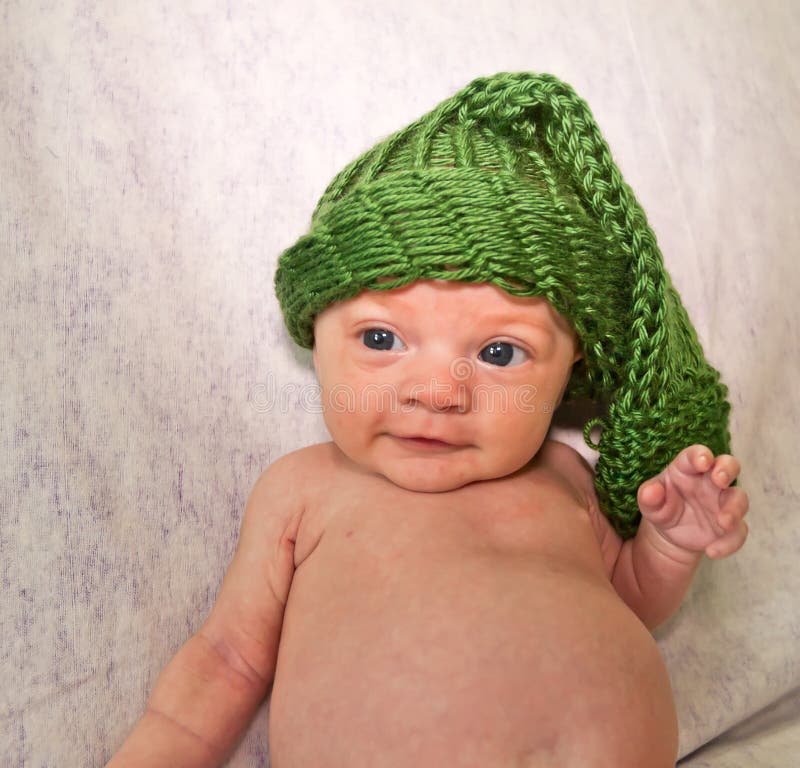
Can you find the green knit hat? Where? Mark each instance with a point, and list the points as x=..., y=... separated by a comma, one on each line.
x=510, y=182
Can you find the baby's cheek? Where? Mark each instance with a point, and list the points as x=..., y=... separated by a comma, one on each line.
x=337, y=409
x=350, y=414
x=525, y=438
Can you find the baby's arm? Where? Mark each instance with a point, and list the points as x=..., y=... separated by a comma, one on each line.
x=687, y=510
x=206, y=696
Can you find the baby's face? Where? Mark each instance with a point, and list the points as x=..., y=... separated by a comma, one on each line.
x=467, y=364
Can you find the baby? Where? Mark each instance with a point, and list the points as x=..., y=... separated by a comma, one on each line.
x=441, y=584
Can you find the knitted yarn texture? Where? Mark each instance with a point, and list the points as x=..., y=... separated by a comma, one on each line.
x=510, y=182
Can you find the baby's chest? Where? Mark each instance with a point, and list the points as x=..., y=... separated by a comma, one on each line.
x=514, y=517
x=436, y=567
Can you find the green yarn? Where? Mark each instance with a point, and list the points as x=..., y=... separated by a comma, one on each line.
x=510, y=182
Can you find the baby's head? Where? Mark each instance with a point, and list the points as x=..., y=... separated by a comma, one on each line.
x=508, y=189
x=462, y=363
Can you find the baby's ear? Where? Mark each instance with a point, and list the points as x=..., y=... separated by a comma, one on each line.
x=578, y=350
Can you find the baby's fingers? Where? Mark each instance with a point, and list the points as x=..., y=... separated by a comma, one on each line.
x=735, y=504
x=696, y=459
x=651, y=497
x=729, y=543
x=726, y=470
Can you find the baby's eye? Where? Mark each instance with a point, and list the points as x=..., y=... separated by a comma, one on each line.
x=503, y=353
x=380, y=338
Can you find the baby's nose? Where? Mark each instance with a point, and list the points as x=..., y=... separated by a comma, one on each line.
x=442, y=385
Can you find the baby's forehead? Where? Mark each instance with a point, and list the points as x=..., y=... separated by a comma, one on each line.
x=469, y=300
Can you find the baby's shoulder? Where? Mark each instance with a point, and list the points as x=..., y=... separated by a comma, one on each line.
x=311, y=458
x=563, y=460
x=286, y=488
x=557, y=451
x=299, y=470
x=302, y=456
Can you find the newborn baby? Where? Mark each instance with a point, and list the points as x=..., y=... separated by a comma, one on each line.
x=453, y=596
x=440, y=584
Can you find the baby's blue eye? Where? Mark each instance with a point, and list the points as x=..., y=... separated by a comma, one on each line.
x=380, y=338
x=502, y=353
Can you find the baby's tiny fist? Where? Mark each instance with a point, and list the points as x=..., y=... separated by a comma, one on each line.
x=694, y=508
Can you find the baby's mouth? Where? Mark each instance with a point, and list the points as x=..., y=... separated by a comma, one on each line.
x=424, y=442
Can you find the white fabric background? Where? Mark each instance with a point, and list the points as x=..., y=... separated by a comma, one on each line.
x=155, y=159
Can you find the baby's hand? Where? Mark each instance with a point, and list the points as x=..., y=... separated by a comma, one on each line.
x=691, y=505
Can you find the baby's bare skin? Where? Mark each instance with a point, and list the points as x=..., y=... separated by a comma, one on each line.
x=415, y=604
x=476, y=627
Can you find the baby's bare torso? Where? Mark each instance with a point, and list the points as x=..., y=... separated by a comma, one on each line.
x=476, y=627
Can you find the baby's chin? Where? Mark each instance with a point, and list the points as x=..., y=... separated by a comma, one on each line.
x=429, y=471
x=430, y=475
x=426, y=485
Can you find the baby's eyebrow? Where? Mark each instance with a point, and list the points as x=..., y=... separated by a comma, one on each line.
x=364, y=309
x=507, y=319
x=396, y=303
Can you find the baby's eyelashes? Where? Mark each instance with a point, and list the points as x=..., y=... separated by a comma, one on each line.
x=503, y=353
x=498, y=353
x=381, y=339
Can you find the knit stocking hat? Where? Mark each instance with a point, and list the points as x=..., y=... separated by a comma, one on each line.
x=510, y=182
